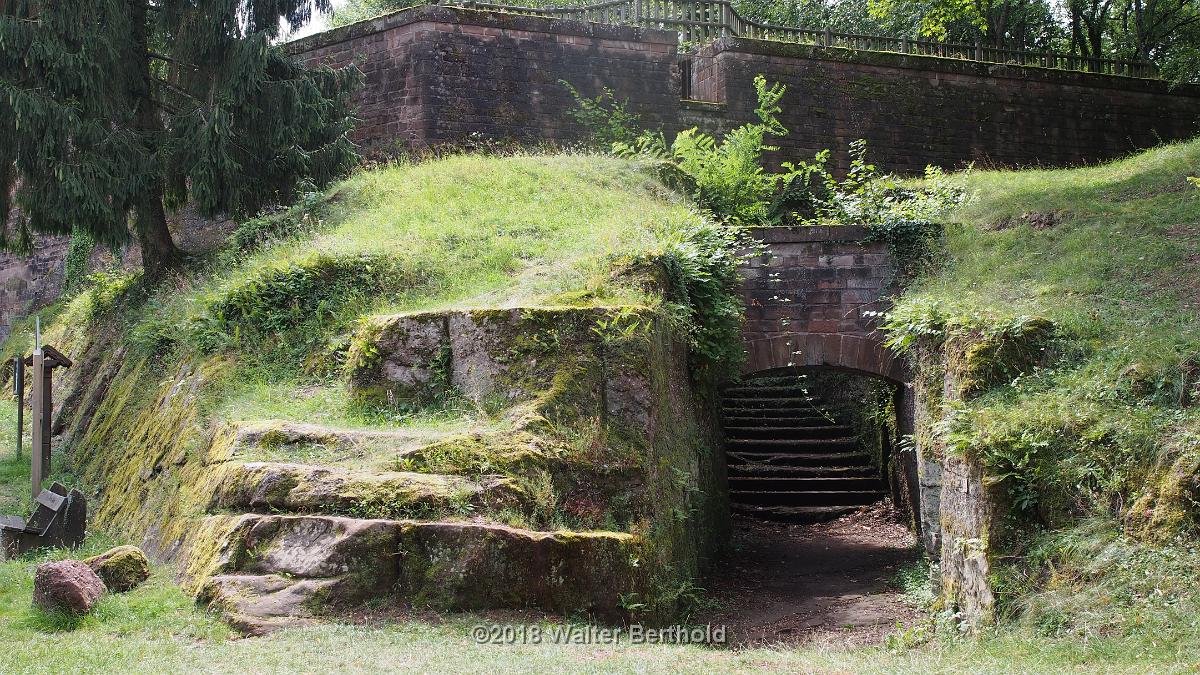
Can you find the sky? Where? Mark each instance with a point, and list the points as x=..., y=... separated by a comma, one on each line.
x=319, y=23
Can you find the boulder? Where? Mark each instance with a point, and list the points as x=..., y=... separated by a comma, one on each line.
x=66, y=586
x=122, y=569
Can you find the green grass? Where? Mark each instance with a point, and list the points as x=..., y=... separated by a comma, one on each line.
x=1114, y=270
x=1107, y=428
x=14, y=471
x=158, y=629
x=1116, y=273
x=465, y=231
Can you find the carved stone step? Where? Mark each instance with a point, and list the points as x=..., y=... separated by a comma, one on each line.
x=301, y=488
x=803, y=483
x=845, y=444
x=830, y=459
x=781, y=432
x=794, y=514
x=806, y=497
x=818, y=471
x=268, y=571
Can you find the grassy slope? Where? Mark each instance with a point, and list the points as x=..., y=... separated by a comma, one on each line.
x=1102, y=443
x=1114, y=270
x=466, y=231
x=1112, y=258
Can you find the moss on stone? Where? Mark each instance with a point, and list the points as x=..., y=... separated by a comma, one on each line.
x=121, y=569
x=994, y=356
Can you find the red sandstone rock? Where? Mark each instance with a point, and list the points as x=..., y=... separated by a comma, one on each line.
x=66, y=586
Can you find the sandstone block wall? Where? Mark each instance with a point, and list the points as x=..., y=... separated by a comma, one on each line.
x=30, y=281
x=436, y=75
x=439, y=75
x=916, y=110
x=808, y=297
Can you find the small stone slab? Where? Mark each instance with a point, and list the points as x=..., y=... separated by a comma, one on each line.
x=15, y=523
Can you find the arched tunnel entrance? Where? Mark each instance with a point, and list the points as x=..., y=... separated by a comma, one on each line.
x=822, y=480
x=818, y=490
x=810, y=444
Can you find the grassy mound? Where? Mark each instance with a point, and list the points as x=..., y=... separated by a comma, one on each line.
x=467, y=231
x=1073, y=297
x=566, y=287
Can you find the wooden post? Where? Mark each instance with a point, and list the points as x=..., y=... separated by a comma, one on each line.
x=41, y=401
x=19, y=393
x=36, y=400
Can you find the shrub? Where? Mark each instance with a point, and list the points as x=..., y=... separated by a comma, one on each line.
x=704, y=285
x=606, y=120
x=725, y=177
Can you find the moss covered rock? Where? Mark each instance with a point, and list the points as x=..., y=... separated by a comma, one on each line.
x=122, y=569
x=999, y=353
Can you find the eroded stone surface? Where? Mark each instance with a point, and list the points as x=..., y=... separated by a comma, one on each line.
x=66, y=586
x=303, y=488
x=280, y=569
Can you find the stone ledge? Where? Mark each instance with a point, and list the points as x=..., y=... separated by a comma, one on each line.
x=488, y=19
x=692, y=104
x=794, y=234
x=939, y=64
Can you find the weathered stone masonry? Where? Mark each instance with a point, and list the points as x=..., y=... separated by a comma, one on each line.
x=438, y=75
x=30, y=280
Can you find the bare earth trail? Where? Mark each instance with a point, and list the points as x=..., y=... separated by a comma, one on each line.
x=815, y=584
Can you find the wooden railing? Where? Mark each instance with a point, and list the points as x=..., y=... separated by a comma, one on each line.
x=699, y=21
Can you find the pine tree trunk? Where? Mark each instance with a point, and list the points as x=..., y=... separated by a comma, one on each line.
x=159, y=252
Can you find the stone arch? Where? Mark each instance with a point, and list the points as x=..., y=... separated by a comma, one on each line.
x=862, y=353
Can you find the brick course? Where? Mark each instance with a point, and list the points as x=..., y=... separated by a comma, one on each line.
x=806, y=298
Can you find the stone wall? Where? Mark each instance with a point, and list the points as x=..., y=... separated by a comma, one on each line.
x=30, y=281
x=919, y=110
x=436, y=75
x=440, y=75
x=809, y=294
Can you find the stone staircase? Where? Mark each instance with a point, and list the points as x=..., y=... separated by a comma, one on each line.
x=284, y=543
x=790, y=456
x=544, y=503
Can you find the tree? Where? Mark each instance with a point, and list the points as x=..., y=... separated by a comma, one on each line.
x=1010, y=24
x=1089, y=20
x=1150, y=25
x=114, y=111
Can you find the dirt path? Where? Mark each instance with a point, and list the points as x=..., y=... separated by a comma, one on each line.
x=825, y=583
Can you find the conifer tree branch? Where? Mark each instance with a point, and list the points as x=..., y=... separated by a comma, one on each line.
x=174, y=89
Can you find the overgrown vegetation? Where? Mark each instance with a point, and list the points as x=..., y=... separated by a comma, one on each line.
x=1068, y=320
x=585, y=266
x=730, y=179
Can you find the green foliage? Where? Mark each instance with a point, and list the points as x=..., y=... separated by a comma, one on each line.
x=353, y=11
x=296, y=304
x=904, y=214
x=607, y=120
x=725, y=177
x=704, y=283
x=79, y=254
x=301, y=218
x=111, y=108
x=1091, y=580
